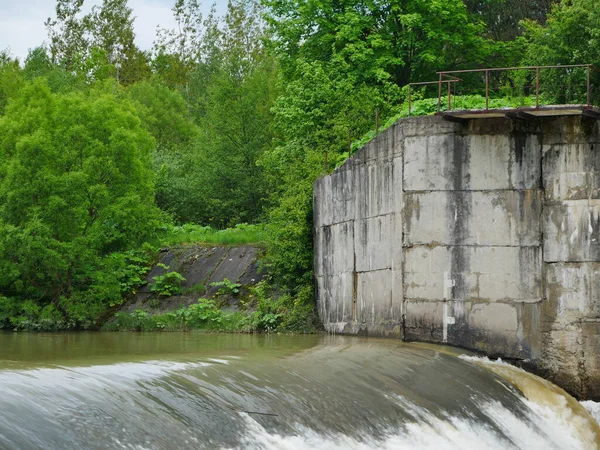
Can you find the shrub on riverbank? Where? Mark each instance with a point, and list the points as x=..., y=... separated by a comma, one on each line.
x=259, y=312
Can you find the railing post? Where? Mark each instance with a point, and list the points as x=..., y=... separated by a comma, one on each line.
x=440, y=94
x=589, y=87
x=487, y=90
x=449, y=97
x=537, y=87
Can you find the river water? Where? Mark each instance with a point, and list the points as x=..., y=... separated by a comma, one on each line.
x=199, y=391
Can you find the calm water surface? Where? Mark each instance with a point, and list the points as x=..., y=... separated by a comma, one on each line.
x=199, y=391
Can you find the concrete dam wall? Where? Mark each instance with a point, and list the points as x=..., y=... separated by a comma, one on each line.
x=483, y=234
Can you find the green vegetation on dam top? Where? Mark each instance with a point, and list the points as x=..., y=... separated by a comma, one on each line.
x=182, y=391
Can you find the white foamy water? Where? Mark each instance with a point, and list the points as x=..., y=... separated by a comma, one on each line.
x=593, y=408
x=546, y=431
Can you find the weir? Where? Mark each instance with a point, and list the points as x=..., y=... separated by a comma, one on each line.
x=480, y=233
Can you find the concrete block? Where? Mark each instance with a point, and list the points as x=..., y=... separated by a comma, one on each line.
x=590, y=378
x=490, y=126
x=336, y=294
x=343, y=196
x=473, y=162
x=322, y=202
x=427, y=273
x=503, y=161
x=572, y=231
x=374, y=297
x=574, y=289
x=572, y=171
x=334, y=251
x=429, y=162
x=494, y=328
x=510, y=218
x=382, y=148
x=428, y=125
x=505, y=273
x=423, y=321
x=468, y=273
x=376, y=189
x=570, y=130
x=378, y=243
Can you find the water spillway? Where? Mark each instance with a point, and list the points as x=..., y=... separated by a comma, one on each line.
x=193, y=391
x=484, y=234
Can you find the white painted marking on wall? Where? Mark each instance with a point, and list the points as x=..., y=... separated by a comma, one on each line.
x=445, y=324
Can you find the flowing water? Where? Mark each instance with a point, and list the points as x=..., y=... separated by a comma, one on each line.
x=197, y=391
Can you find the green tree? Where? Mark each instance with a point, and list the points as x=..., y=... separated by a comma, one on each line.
x=397, y=41
x=111, y=30
x=503, y=17
x=68, y=33
x=570, y=36
x=11, y=78
x=76, y=186
x=179, y=51
x=237, y=119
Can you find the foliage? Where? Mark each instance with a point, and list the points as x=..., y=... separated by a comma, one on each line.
x=72, y=197
x=571, y=36
x=11, y=79
x=375, y=43
x=283, y=315
x=226, y=287
x=98, y=44
x=167, y=284
x=503, y=17
x=189, y=233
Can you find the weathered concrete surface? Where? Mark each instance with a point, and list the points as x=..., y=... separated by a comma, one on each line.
x=200, y=265
x=484, y=235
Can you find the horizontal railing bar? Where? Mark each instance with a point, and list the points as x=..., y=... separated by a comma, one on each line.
x=433, y=82
x=514, y=68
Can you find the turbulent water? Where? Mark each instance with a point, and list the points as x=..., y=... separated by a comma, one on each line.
x=194, y=391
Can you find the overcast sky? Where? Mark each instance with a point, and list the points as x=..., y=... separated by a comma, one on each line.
x=22, y=21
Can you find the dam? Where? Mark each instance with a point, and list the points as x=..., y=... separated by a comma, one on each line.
x=481, y=233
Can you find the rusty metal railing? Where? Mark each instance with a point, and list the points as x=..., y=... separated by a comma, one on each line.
x=448, y=80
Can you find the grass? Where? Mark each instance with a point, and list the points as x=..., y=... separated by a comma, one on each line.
x=189, y=233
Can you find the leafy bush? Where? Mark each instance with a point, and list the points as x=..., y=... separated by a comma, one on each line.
x=77, y=195
x=226, y=287
x=167, y=284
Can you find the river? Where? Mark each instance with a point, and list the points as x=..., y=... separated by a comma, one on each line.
x=217, y=391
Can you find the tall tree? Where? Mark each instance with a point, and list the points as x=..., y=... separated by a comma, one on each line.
x=11, y=78
x=111, y=29
x=68, y=33
x=75, y=186
x=178, y=51
x=503, y=17
x=99, y=44
x=570, y=36
x=237, y=118
x=397, y=40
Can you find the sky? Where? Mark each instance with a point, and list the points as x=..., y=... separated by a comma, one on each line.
x=22, y=21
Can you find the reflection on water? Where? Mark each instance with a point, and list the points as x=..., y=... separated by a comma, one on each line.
x=183, y=391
